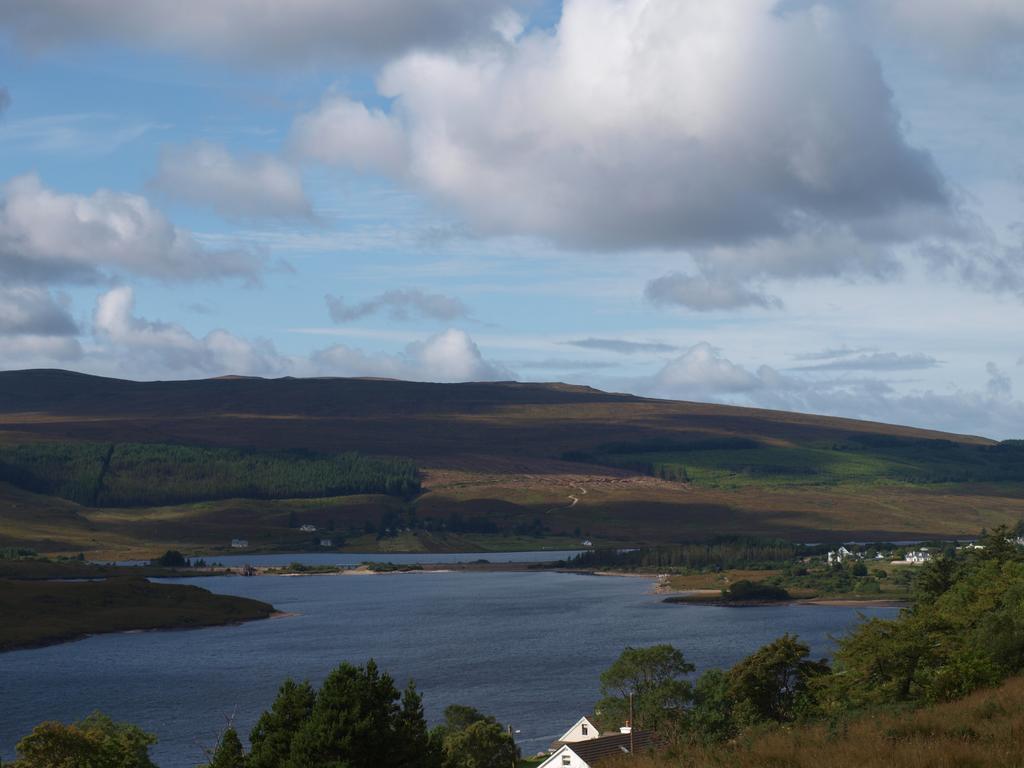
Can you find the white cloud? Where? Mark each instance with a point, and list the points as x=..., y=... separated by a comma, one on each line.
x=266, y=32
x=654, y=123
x=135, y=346
x=50, y=236
x=344, y=132
x=38, y=351
x=702, y=372
x=29, y=310
x=451, y=355
x=257, y=185
x=400, y=305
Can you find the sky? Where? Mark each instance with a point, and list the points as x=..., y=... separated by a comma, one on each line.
x=809, y=205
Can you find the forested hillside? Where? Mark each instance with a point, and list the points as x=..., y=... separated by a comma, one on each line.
x=133, y=474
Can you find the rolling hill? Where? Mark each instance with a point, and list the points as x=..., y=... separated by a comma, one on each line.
x=500, y=464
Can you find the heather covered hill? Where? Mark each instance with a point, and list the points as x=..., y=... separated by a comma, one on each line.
x=477, y=466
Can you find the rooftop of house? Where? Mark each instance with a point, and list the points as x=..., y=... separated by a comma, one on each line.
x=596, y=750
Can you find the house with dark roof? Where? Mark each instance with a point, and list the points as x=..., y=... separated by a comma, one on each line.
x=591, y=752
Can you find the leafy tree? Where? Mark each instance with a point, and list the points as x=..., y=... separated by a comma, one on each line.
x=271, y=738
x=482, y=744
x=229, y=753
x=656, y=678
x=95, y=742
x=711, y=718
x=772, y=683
x=470, y=739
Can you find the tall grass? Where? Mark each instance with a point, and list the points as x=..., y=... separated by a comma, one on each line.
x=984, y=729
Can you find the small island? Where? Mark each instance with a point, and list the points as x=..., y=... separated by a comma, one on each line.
x=46, y=602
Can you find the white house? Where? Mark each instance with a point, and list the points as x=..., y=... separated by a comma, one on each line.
x=239, y=543
x=308, y=528
x=840, y=555
x=326, y=542
x=583, y=730
x=592, y=752
x=918, y=556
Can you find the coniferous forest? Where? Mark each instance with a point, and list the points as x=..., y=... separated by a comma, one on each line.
x=134, y=474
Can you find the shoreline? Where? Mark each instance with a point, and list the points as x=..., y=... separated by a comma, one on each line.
x=712, y=597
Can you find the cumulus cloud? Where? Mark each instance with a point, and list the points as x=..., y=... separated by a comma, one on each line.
x=875, y=361
x=144, y=344
x=654, y=123
x=702, y=294
x=400, y=305
x=132, y=345
x=344, y=132
x=451, y=355
x=208, y=175
x=702, y=371
x=30, y=310
x=46, y=236
x=622, y=346
x=265, y=32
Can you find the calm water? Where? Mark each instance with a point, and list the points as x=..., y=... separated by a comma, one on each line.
x=526, y=647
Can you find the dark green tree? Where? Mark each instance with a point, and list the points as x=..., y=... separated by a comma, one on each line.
x=711, y=718
x=357, y=722
x=656, y=678
x=772, y=683
x=229, y=752
x=271, y=738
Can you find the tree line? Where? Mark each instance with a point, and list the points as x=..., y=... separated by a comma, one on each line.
x=126, y=474
x=720, y=552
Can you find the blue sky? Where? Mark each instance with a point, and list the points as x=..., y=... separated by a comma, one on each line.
x=813, y=206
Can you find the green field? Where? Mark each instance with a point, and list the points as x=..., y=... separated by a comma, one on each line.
x=861, y=460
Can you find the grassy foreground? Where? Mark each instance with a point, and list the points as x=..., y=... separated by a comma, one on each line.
x=39, y=613
x=984, y=729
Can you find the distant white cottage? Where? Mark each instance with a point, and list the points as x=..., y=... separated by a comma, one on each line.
x=918, y=556
x=840, y=555
x=308, y=528
x=239, y=543
x=326, y=542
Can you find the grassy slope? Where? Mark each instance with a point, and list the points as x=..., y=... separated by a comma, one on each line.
x=489, y=450
x=982, y=730
x=45, y=612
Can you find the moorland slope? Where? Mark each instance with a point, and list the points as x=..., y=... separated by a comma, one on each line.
x=500, y=464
